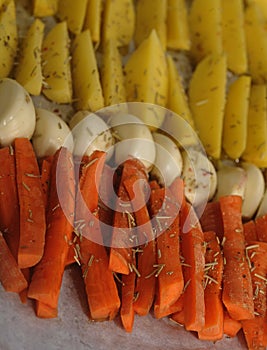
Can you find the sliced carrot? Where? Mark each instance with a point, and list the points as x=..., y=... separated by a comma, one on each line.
x=177, y=189
x=45, y=177
x=123, y=235
x=31, y=203
x=193, y=255
x=154, y=184
x=45, y=311
x=211, y=219
x=250, y=232
x=213, y=328
x=101, y=289
x=137, y=186
x=255, y=329
x=165, y=211
x=127, y=300
x=23, y=295
x=11, y=276
x=237, y=292
x=230, y=326
x=47, y=275
x=173, y=309
x=70, y=259
x=9, y=203
x=179, y=317
x=261, y=228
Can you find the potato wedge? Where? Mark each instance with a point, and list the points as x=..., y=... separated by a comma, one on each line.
x=73, y=12
x=93, y=19
x=113, y=80
x=147, y=77
x=205, y=28
x=44, y=8
x=118, y=21
x=8, y=37
x=234, y=38
x=151, y=14
x=29, y=70
x=86, y=82
x=178, y=37
x=256, y=147
x=56, y=64
x=256, y=43
x=262, y=5
x=235, y=117
x=207, y=101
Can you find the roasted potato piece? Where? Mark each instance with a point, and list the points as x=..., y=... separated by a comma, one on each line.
x=151, y=14
x=44, y=8
x=235, y=117
x=56, y=64
x=73, y=12
x=86, y=82
x=8, y=37
x=29, y=70
x=92, y=19
x=207, y=101
x=256, y=147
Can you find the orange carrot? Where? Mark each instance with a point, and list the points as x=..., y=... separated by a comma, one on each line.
x=230, y=326
x=179, y=317
x=261, y=228
x=47, y=275
x=11, y=276
x=250, y=233
x=45, y=311
x=237, y=286
x=31, y=203
x=101, y=289
x=127, y=300
x=45, y=177
x=255, y=329
x=137, y=186
x=9, y=203
x=193, y=255
x=165, y=209
x=123, y=235
x=211, y=219
x=23, y=295
x=213, y=328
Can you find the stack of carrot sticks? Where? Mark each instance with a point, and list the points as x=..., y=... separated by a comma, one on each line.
x=207, y=274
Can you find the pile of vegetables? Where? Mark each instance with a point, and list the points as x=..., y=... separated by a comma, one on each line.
x=123, y=191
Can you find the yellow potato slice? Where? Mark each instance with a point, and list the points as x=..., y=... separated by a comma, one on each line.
x=56, y=64
x=73, y=12
x=118, y=21
x=44, y=8
x=205, y=28
x=256, y=43
x=235, y=117
x=147, y=77
x=256, y=147
x=8, y=37
x=29, y=70
x=262, y=5
x=113, y=81
x=92, y=19
x=178, y=37
x=151, y=14
x=86, y=82
x=207, y=101
x=234, y=38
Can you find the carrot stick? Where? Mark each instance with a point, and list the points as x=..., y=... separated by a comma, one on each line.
x=261, y=228
x=9, y=204
x=127, y=300
x=230, y=326
x=23, y=295
x=213, y=328
x=47, y=275
x=237, y=292
x=136, y=186
x=123, y=235
x=179, y=317
x=211, y=219
x=250, y=233
x=165, y=209
x=31, y=203
x=101, y=289
x=45, y=311
x=255, y=329
x=11, y=276
x=193, y=254
x=45, y=177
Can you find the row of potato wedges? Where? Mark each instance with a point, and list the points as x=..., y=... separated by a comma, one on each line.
x=133, y=39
